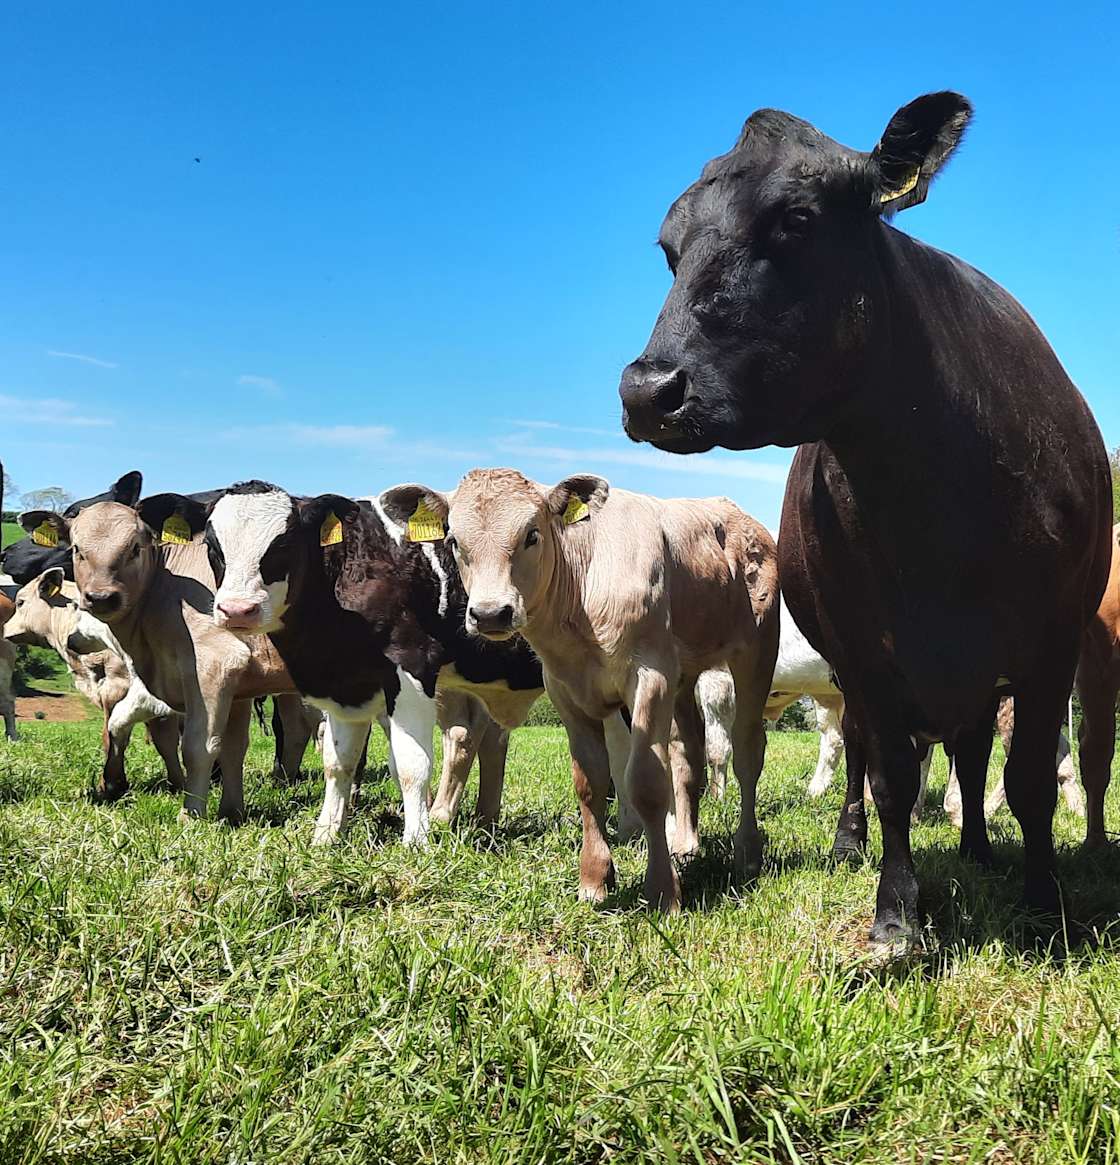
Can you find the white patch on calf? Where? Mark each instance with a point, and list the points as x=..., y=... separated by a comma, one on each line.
x=395, y=531
x=245, y=526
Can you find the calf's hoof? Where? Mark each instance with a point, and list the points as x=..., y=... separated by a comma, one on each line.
x=849, y=849
x=978, y=850
x=325, y=834
x=103, y=794
x=439, y=815
x=892, y=935
x=748, y=856
x=818, y=786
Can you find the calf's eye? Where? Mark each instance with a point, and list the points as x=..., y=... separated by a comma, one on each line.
x=532, y=538
x=797, y=220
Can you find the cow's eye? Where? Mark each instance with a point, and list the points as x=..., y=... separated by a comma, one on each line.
x=135, y=553
x=797, y=220
x=532, y=538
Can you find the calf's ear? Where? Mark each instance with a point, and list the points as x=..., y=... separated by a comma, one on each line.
x=50, y=582
x=417, y=510
x=915, y=145
x=126, y=489
x=45, y=527
x=578, y=497
x=173, y=518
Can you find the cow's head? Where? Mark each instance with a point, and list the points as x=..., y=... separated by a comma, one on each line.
x=116, y=555
x=30, y=622
x=778, y=282
x=504, y=531
x=261, y=543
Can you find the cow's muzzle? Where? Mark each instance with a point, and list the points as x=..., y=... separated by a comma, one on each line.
x=653, y=394
x=103, y=604
x=492, y=620
x=238, y=614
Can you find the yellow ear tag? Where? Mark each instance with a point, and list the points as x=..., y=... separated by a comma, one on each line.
x=56, y=586
x=330, y=532
x=425, y=525
x=905, y=188
x=577, y=510
x=44, y=535
x=176, y=531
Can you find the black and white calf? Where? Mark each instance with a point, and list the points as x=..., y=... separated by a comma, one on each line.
x=364, y=618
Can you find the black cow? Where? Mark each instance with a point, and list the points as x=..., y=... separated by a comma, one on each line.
x=799, y=315
x=364, y=619
x=27, y=558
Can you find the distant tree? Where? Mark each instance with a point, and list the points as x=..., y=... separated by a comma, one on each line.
x=11, y=490
x=53, y=497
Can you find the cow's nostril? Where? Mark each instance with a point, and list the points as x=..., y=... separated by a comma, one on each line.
x=652, y=388
x=667, y=393
x=493, y=617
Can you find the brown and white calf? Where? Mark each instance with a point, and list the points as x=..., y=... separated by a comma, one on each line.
x=365, y=618
x=626, y=599
x=47, y=615
x=137, y=571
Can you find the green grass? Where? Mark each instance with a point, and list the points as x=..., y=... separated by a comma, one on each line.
x=196, y=994
x=10, y=532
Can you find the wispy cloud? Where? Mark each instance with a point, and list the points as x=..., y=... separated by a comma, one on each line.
x=47, y=412
x=738, y=467
x=330, y=436
x=557, y=427
x=84, y=359
x=265, y=383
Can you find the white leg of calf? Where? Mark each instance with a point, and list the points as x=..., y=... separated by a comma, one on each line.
x=1067, y=779
x=717, y=780
x=923, y=781
x=342, y=747
x=952, y=803
x=831, y=746
x=410, y=735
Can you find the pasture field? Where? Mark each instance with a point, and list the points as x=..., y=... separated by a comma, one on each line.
x=198, y=994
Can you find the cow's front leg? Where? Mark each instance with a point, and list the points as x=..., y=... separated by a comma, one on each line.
x=686, y=760
x=202, y=741
x=591, y=773
x=164, y=734
x=617, y=737
x=235, y=741
x=411, y=725
x=463, y=726
x=113, y=784
x=343, y=744
x=648, y=780
x=492, y=754
x=829, y=712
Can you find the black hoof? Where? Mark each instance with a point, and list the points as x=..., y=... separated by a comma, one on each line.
x=982, y=855
x=107, y=794
x=893, y=932
x=848, y=849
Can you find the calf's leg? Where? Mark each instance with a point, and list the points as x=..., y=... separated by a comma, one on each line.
x=164, y=735
x=851, y=830
x=411, y=725
x=830, y=713
x=686, y=760
x=343, y=742
x=752, y=673
x=235, y=742
x=648, y=781
x=617, y=737
x=491, y=773
x=463, y=722
x=113, y=784
x=1097, y=738
x=971, y=751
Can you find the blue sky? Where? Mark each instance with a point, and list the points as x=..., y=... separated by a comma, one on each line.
x=420, y=239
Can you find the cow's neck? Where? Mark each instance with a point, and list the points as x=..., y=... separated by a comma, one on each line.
x=560, y=616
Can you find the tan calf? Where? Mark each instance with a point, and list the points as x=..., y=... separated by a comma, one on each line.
x=157, y=598
x=47, y=615
x=626, y=599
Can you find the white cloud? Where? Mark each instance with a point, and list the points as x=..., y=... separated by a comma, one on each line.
x=265, y=383
x=47, y=412
x=697, y=465
x=84, y=359
x=330, y=436
x=556, y=426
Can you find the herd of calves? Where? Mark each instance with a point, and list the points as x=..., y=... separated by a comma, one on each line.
x=654, y=624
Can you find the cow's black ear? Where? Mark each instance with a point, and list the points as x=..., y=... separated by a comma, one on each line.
x=173, y=518
x=46, y=527
x=417, y=511
x=915, y=145
x=327, y=514
x=126, y=489
x=578, y=497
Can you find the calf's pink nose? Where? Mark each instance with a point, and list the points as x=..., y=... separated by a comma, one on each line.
x=239, y=610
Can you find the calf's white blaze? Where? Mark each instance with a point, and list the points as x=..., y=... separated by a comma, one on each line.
x=245, y=526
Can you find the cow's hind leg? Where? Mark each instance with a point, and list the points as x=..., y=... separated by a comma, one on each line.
x=1032, y=790
x=235, y=742
x=343, y=742
x=463, y=724
x=971, y=751
x=686, y=761
x=492, y=754
x=830, y=713
x=616, y=733
x=851, y=830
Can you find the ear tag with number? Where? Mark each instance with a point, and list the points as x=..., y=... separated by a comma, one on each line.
x=577, y=510
x=425, y=525
x=176, y=531
x=330, y=532
x=53, y=587
x=908, y=184
x=45, y=535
